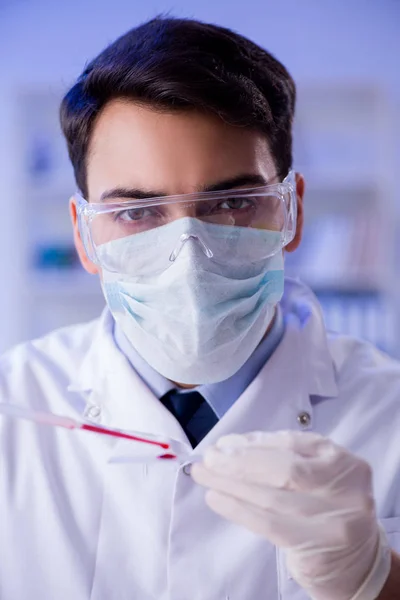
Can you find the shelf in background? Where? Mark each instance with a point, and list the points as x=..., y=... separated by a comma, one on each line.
x=58, y=191
x=341, y=179
x=68, y=283
x=329, y=200
x=348, y=284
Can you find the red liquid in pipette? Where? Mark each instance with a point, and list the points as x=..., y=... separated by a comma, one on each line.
x=167, y=456
x=127, y=436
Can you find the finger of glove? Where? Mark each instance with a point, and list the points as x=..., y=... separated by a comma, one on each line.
x=304, y=443
x=279, y=501
x=335, y=472
x=336, y=461
x=282, y=530
x=267, y=466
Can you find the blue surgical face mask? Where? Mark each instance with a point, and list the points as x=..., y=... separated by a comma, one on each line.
x=199, y=315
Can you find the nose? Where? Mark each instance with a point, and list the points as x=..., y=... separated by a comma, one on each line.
x=180, y=211
x=184, y=239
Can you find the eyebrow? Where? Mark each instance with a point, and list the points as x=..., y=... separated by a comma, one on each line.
x=247, y=179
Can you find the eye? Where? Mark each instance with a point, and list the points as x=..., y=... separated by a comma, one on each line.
x=133, y=214
x=235, y=204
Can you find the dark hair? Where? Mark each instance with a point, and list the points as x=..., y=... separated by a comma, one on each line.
x=180, y=64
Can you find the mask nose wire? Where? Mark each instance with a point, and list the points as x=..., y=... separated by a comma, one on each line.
x=184, y=238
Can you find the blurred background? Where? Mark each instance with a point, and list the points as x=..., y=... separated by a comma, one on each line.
x=344, y=55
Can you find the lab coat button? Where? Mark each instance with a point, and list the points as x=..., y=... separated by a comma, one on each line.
x=187, y=468
x=94, y=412
x=304, y=419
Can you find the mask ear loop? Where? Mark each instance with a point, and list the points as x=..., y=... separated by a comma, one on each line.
x=185, y=237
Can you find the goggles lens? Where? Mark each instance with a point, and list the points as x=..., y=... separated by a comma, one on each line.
x=266, y=209
x=259, y=212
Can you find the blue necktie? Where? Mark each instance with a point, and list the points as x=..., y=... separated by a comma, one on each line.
x=194, y=414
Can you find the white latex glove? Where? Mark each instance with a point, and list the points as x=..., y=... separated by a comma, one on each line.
x=305, y=494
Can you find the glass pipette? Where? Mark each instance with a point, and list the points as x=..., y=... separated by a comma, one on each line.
x=48, y=418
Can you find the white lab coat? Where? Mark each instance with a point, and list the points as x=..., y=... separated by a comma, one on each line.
x=74, y=527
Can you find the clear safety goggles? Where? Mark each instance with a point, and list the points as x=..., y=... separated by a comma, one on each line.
x=216, y=220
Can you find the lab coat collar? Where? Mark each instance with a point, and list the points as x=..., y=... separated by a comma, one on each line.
x=300, y=305
x=108, y=381
x=110, y=386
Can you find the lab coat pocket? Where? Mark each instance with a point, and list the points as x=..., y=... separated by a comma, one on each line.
x=392, y=528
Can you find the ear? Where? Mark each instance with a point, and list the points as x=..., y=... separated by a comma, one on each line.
x=300, y=187
x=87, y=264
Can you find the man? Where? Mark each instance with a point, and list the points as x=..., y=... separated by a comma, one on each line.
x=180, y=138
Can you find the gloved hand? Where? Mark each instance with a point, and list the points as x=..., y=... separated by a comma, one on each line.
x=305, y=494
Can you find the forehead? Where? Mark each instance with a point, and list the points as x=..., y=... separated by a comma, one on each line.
x=177, y=152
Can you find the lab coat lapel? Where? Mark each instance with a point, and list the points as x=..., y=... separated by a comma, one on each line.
x=299, y=369
x=273, y=400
